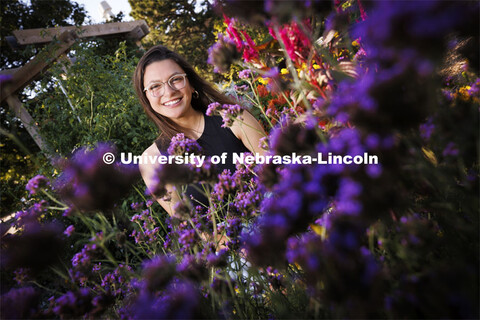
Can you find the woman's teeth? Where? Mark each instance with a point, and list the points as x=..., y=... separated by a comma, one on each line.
x=171, y=102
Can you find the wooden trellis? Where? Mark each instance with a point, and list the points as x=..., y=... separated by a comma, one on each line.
x=59, y=41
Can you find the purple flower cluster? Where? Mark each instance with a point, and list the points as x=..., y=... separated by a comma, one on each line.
x=229, y=112
x=233, y=186
x=223, y=54
x=158, y=272
x=69, y=231
x=21, y=276
x=181, y=174
x=82, y=263
x=427, y=128
x=180, y=145
x=193, y=267
x=301, y=195
x=117, y=283
x=338, y=271
x=37, y=183
x=245, y=74
x=148, y=232
x=74, y=304
x=20, y=303
x=32, y=214
x=88, y=183
x=180, y=300
x=276, y=83
x=136, y=206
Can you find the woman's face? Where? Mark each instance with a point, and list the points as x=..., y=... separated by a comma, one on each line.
x=173, y=104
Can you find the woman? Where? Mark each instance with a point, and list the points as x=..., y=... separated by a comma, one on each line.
x=176, y=98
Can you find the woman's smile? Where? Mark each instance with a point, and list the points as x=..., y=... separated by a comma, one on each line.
x=172, y=103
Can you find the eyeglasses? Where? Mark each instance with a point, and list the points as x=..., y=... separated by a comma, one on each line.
x=176, y=82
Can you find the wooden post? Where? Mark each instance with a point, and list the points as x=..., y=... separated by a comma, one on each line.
x=27, y=120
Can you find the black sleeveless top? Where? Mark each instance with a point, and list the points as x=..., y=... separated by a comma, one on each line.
x=214, y=140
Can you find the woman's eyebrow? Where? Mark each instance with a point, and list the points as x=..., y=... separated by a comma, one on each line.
x=156, y=80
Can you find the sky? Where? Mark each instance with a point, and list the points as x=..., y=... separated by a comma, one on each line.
x=94, y=10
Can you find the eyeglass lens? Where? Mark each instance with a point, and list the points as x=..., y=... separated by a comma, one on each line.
x=176, y=82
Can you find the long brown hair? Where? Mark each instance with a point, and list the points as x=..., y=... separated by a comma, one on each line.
x=206, y=92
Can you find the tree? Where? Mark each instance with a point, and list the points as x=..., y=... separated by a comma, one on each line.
x=18, y=159
x=17, y=14
x=185, y=26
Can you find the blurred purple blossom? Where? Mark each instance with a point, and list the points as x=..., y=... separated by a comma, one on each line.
x=181, y=145
x=20, y=303
x=88, y=183
x=245, y=74
x=36, y=183
x=223, y=54
x=70, y=230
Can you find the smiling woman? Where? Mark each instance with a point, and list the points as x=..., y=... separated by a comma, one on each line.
x=176, y=99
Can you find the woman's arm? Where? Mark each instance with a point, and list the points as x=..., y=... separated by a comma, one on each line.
x=249, y=131
x=148, y=173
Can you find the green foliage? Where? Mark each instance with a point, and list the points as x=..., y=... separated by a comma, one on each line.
x=93, y=101
x=17, y=157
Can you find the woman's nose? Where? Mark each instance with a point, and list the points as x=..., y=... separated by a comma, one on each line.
x=167, y=87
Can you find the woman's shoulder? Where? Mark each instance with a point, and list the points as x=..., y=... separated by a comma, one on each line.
x=151, y=150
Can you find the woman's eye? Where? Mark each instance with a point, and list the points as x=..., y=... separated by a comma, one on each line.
x=176, y=79
x=155, y=87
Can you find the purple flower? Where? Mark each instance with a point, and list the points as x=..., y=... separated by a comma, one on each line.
x=181, y=145
x=223, y=53
x=193, y=267
x=117, y=282
x=69, y=231
x=181, y=300
x=83, y=259
x=136, y=206
x=89, y=184
x=31, y=215
x=36, y=184
x=275, y=81
x=474, y=90
x=213, y=108
x=74, y=304
x=450, y=150
x=158, y=272
x=21, y=275
x=20, y=303
x=218, y=260
x=228, y=112
x=427, y=128
x=245, y=74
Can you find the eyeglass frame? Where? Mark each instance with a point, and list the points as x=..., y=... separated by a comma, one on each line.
x=184, y=75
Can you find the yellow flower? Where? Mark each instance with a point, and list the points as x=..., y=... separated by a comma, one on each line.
x=464, y=95
x=316, y=66
x=320, y=230
x=284, y=71
x=263, y=80
x=355, y=43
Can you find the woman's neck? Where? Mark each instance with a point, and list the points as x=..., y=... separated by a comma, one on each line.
x=192, y=123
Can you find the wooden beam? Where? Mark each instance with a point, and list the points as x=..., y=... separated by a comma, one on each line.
x=27, y=120
x=24, y=75
x=45, y=35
